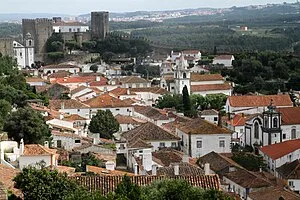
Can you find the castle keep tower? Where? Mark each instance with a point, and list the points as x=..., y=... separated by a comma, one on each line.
x=99, y=23
x=40, y=30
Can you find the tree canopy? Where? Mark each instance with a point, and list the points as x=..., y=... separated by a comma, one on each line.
x=27, y=124
x=104, y=123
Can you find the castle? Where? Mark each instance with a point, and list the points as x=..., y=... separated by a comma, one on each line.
x=41, y=29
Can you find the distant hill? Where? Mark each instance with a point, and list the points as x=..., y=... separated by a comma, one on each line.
x=17, y=17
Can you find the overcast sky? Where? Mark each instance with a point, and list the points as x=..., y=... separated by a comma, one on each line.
x=86, y=6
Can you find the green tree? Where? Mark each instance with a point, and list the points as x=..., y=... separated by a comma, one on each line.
x=44, y=184
x=94, y=68
x=55, y=43
x=8, y=65
x=170, y=101
x=178, y=190
x=104, y=123
x=187, y=106
x=71, y=45
x=126, y=190
x=27, y=124
x=249, y=161
x=216, y=101
x=5, y=108
x=55, y=56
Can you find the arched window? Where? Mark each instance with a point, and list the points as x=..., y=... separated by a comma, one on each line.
x=293, y=133
x=184, y=75
x=29, y=42
x=275, y=122
x=266, y=122
x=256, y=131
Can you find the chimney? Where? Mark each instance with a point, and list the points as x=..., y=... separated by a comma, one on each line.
x=176, y=169
x=206, y=169
x=219, y=119
x=185, y=159
x=61, y=116
x=136, y=169
x=98, y=78
x=154, y=170
x=22, y=147
x=128, y=91
x=35, y=72
x=110, y=165
x=62, y=105
x=46, y=144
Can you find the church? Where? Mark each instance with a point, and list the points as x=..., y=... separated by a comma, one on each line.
x=176, y=73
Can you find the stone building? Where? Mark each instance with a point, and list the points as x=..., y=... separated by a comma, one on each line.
x=99, y=22
x=6, y=46
x=40, y=29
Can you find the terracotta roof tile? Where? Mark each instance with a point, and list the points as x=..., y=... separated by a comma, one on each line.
x=123, y=119
x=261, y=100
x=74, y=117
x=150, y=112
x=34, y=79
x=209, y=112
x=290, y=170
x=60, y=74
x=185, y=169
x=7, y=174
x=133, y=79
x=290, y=116
x=237, y=120
x=149, y=132
x=210, y=87
x=278, y=150
x=121, y=91
x=168, y=156
x=67, y=104
x=105, y=172
x=155, y=90
x=195, y=77
x=106, y=101
x=107, y=184
x=200, y=126
x=138, y=144
x=274, y=193
x=78, y=89
x=37, y=149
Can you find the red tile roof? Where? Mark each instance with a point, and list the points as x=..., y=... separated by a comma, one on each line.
x=290, y=116
x=37, y=149
x=133, y=79
x=122, y=119
x=200, y=126
x=151, y=113
x=60, y=66
x=7, y=174
x=68, y=104
x=82, y=79
x=205, y=77
x=237, y=120
x=74, y=117
x=106, y=101
x=107, y=184
x=273, y=193
x=155, y=90
x=279, y=150
x=210, y=87
x=105, y=172
x=34, y=80
x=260, y=100
x=121, y=91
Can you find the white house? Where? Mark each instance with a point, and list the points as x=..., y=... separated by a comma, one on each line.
x=210, y=115
x=290, y=173
x=225, y=60
x=51, y=69
x=279, y=154
x=133, y=82
x=68, y=141
x=69, y=27
x=128, y=123
x=196, y=54
x=107, y=102
x=290, y=122
x=35, y=81
x=138, y=144
x=33, y=154
x=251, y=104
x=200, y=137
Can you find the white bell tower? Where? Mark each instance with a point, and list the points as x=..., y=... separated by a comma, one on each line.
x=182, y=75
x=29, y=50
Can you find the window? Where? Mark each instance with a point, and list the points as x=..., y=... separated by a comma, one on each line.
x=172, y=88
x=117, y=109
x=122, y=146
x=70, y=30
x=58, y=143
x=291, y=183
x=140, y=151
x=78, y=110
x=173, y=144
x=29, y=42
x=241, y=130
x=293, y=132
x=184, y=75
x=78, y=29
x=161, y=144
x=256, y=131
x=222, y=143
x=266, y=122
x=275, y=122
x=284, y=136
x=77, y=141
x=215, y=119
x=199, y=144
x=21, y=54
